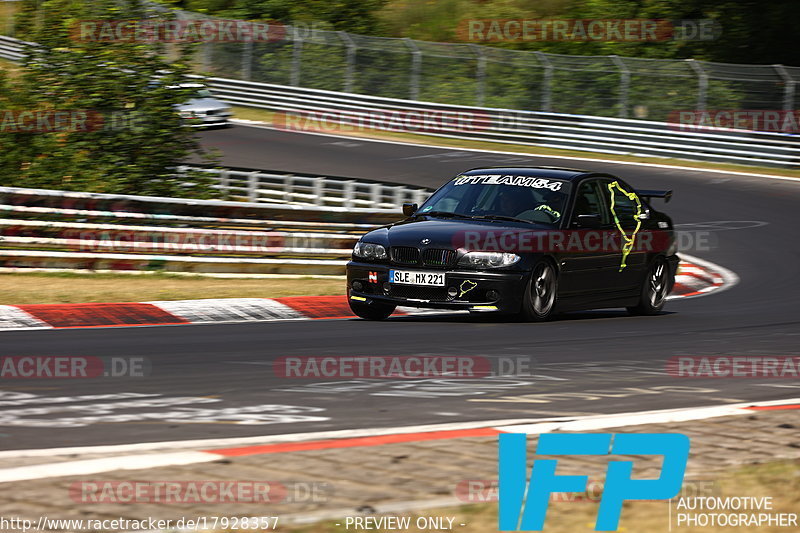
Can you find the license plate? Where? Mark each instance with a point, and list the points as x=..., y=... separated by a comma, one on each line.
x=413, y=277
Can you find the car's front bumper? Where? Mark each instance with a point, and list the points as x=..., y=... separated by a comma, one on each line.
x=481, y=291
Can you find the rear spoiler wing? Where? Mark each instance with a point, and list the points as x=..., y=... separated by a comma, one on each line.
x=648, y=194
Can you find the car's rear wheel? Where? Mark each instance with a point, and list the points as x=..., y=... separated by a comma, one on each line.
x=372, y=311
x=541, y=293
x=654, y=290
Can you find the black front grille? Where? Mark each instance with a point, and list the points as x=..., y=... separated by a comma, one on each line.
x=405, y=255
x=414, y=292
x=438, y=258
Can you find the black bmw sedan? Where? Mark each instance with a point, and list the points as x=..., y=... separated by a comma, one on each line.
x=530, y=241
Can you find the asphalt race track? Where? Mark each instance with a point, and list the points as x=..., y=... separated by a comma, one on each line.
x=204, y=377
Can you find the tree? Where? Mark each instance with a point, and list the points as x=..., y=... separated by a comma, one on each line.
x=356, y=16
x=133, y=139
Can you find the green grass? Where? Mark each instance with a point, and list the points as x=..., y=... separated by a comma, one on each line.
x=252, y=113
x=35, y=288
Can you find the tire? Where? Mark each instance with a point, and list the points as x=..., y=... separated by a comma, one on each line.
x=541, y=293
x=373, y=311
x=654, y=289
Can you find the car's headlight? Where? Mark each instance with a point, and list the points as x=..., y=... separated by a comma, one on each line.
x=488, y=259
x=369, y=250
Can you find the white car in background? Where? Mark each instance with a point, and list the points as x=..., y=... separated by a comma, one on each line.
x=203, y=110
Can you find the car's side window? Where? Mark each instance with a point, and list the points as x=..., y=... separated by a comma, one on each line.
x=623, y=203
x=589, y=202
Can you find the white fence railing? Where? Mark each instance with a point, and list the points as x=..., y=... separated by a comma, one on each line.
x=552, y=130
x=64, y=230
x=301, y=189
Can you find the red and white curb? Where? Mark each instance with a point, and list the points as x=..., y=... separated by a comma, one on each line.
x=159, y=454
x=695, y=277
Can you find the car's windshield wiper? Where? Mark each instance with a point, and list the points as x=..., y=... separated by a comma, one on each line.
x=445, y=214
x=501, y=217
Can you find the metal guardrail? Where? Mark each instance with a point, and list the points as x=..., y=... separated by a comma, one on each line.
x=89, y=237
x=533, y=128
x=64, y=230
x=55, y=261
x=11, y=48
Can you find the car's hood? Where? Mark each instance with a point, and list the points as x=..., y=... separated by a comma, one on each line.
x=442, y=233
x=202, y=104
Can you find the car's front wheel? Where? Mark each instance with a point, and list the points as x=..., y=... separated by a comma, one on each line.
x=655, y=289
x=540, y=297
x=372, y=311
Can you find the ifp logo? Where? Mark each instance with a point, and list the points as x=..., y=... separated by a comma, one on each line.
x=523, y=505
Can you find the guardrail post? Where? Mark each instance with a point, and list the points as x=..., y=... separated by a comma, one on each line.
x=349, y=192
x=416, y=67
x=420, y=196
x=399, y=194
x=350, y=68
x=319, y=190
x=252, y=187
x=624, y=85
x=702, y=84
x=224, y=183
x=480, y=74
x=297, y=57
x=788, y=88
x=247, y=60
x=375, y=193
x=547, y=81
x=288, y=188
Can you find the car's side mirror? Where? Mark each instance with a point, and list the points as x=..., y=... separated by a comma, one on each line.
x=409, y=209
x=588, y=221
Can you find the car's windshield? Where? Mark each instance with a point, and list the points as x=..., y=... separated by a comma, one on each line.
x=202, y=93
x=527, y=198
